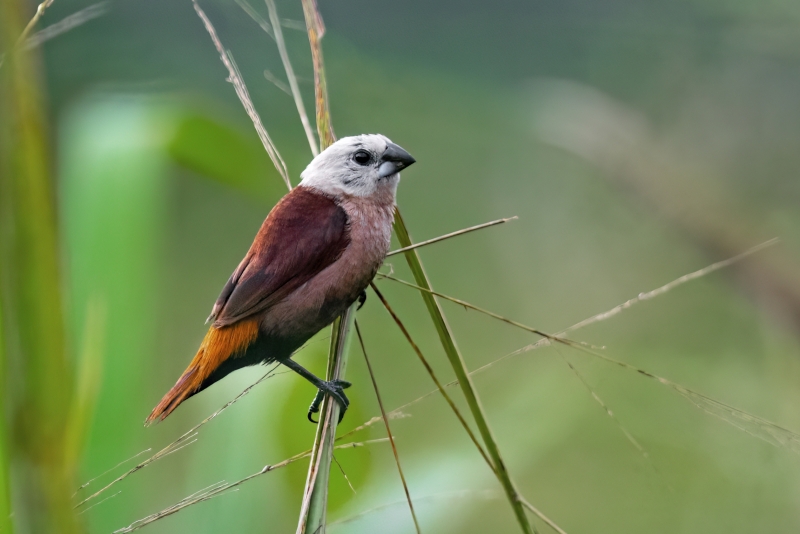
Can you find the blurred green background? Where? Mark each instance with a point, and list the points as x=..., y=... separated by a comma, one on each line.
x=636, y=141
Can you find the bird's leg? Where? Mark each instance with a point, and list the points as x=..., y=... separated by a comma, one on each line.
x=334, y=388
x=362, y=298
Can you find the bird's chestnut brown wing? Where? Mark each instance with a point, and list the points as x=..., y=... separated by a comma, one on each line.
x=302, y=235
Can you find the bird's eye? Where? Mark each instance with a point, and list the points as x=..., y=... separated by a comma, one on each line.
x=362, y=157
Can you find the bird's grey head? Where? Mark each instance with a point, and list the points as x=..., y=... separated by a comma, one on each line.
x=362, y=165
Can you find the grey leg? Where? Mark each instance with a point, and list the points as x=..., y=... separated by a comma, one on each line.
x=334, y=388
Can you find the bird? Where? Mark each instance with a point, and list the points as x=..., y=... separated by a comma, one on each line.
x=313, y=257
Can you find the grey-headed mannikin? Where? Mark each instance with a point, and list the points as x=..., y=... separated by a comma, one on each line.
x=313, y=257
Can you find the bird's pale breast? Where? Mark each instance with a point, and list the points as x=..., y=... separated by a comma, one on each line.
x=323, y=298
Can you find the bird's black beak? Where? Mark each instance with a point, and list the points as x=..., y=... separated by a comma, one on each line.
x=393, y=160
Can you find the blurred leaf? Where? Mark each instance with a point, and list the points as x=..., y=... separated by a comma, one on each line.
x=41, y=374
x=115, y=172
x=224, y=154
x=89, y=379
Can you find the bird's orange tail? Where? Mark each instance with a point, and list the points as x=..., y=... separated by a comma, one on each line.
x=218, y=345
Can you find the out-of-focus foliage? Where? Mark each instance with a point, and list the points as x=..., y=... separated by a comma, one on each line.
x=635, y=141
x=38, y=386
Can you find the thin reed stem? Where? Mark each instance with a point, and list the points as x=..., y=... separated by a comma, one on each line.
x=235, y=77
x=66, y=24
x=460, y=369
x=316, y=29
x=751, y=424
x=187, y=438
x=40, y=9
x=388, y=429
x=436, y=381
x=290, y=75
x=222, y=487
x=314, y=508
x=451, y=234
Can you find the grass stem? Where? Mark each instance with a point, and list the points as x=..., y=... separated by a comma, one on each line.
x=290, y=75
x=314, y=508
x=464, y=380
x=451, y=234
x=388, y=430
x=235, y=78
x=436, y=381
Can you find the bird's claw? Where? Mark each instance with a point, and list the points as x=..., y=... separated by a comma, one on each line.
x=334, y=388
x=362, y=298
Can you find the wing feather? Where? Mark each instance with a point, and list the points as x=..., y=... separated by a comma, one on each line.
x=305, y=233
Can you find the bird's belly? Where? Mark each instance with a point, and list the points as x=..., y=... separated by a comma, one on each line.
x=319, y=301
x=313, y=306
x=322, y=299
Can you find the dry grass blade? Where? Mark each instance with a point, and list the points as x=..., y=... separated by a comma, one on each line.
x=451, y=234
x=290, y=75
x=66, y=24
x=271, y=78
x=603, y=316
x=344, y=474
x=552, y=524
x=394, y=414
x=40, y=9
x=672, y=285
x=748, y=423
x=316, y=29
x=388, y=430
x=465, y=304
x=567, y=342
x=463, y=494
x=184, y=440
x=258, y=19
x=98, y=503
x=765, y=430
x=222, y=487
x=244, y=96
x=428, y=368
x=753, y=425
x=460, y=369
x=169, y=449
x=608, y=410
x=104, y=473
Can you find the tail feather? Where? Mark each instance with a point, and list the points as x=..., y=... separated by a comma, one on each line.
x=219, y=345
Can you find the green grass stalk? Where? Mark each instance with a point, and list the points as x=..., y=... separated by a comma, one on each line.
x=6, y=525
x=313, y=512
x=290, y=75
x=460, y=369
x=388, y=430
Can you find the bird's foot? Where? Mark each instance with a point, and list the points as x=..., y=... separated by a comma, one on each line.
x=362, y=298
x=334, y=388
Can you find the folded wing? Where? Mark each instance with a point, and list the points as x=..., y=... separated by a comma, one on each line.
x=305, y=233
